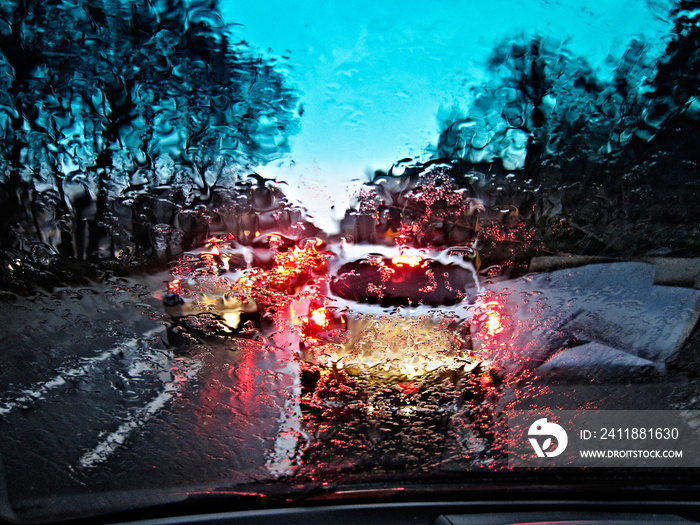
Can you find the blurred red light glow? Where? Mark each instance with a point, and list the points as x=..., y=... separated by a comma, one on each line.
x=491, y=318
x=320, y=317
x=403, y=260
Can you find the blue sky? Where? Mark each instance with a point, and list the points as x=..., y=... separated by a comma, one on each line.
x=374, y=76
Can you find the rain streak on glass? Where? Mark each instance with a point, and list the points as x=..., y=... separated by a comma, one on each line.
x=181, y=315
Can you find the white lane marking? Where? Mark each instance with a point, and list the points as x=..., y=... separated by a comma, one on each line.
x=291, y=438
x=136, y=418
x=117, y=438
x=39, y=391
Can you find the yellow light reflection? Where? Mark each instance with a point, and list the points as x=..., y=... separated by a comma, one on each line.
x=395, y=347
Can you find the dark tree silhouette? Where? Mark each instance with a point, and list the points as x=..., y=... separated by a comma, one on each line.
x=546, y=102
x=106, y=101
x=672, y=113
x=677, y=81
x=596, y=165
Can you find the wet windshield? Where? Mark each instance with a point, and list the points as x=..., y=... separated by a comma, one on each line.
x=270, y=250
